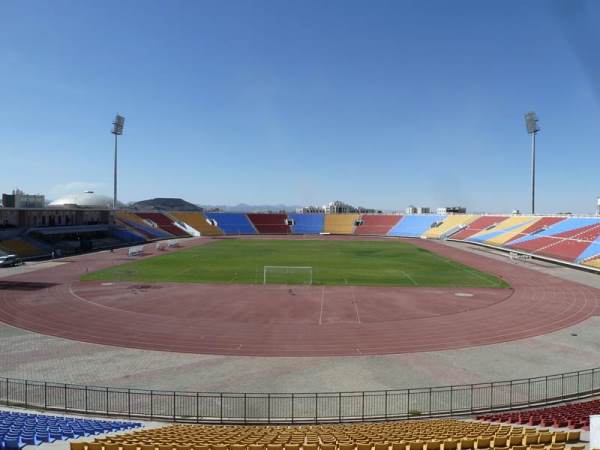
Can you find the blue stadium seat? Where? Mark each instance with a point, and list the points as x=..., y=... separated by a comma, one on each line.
x=126, y=236
x=307, y=223
x=18, y=429
x=232, y=223
x=414, y=226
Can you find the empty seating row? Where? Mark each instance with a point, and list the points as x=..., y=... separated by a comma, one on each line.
x=376, y=224
x=449, y=225
x=18, y=429
x=340, y=223
x=415, y=226
x=198, y=221
x=270, y=223
x=575, y=415
x=231, y=223
x=307, y=223
x=440, y=434
x=164, y=222
x=140, y=226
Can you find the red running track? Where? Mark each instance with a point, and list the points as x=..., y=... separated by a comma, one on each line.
x=304, y=321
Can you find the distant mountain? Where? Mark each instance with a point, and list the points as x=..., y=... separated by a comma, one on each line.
x=165, y=204
x=243, y=207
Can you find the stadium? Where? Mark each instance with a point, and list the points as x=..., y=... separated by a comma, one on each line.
x=223, y=311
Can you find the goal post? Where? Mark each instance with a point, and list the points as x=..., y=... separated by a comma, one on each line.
x=288, y=275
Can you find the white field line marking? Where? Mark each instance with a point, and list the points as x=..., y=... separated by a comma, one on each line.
x=412, y=280
x=322, y=304
x=234, y=278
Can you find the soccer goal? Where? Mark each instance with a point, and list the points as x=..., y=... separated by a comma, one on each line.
x=287, y=275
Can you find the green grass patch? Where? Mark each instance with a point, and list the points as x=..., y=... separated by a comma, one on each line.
x=376, y=263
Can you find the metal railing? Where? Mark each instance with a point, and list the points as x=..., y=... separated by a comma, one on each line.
x=325, y=407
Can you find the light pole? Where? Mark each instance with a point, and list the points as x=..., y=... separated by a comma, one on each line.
x=531, y=121
x=117, y=131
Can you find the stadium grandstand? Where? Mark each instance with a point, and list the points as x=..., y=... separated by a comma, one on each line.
x=255, y=314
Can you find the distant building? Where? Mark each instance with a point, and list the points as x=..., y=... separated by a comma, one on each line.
x=19, y=199
x=598, y=206
x=423, y=210
x=336, y=207
x=309, y=209
x=87, y=199
x=411, y=209
x=452, y=210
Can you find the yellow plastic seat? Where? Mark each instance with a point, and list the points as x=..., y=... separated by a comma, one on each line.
x=433, y=445
x=499, y=441
x=482, y=442
x=77, y=445
x=467, y=444
x=573, y=436
x=450, y=444
x=560, y=437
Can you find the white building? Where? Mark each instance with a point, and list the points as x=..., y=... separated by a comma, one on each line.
x=19, y=199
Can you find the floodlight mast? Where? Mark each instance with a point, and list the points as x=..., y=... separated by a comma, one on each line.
x=117, y=130
x=531, y=121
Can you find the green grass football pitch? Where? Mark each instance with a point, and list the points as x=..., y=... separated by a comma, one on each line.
x=377, y=263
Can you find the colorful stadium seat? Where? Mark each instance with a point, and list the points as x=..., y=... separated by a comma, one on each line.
x=232, y=223
x=307, y=223
x=503, y=230
x=415, y=226
x=574, y=415
x=450, y=225
x=483, y=223
x=270, y=223
x=376, y=224
x=137, y=224
x=164, y=222
x=340, y=223
x=566, y=240
x=198, y=221
x=538, y=226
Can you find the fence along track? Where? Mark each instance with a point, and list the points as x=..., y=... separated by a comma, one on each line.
x=289, y=408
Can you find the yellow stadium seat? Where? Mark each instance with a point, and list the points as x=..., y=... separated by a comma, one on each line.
x=483, y=442
x=560, y=437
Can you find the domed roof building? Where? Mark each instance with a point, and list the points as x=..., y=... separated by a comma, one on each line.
x=87, y=199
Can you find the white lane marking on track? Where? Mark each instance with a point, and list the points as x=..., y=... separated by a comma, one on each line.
x=322, y=304
x=355, y=304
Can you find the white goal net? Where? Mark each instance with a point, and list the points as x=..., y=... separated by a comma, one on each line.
x=287, y=275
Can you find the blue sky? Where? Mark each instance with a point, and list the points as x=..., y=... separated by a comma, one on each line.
x=379, y=103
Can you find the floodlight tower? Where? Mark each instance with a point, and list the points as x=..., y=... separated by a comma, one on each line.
x=531, y=121
x=117, y=131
